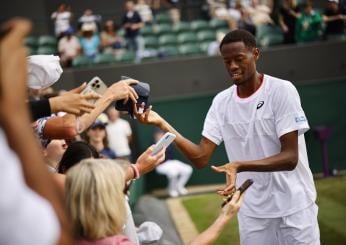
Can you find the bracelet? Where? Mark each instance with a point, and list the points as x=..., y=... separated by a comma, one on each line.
x=135, y=171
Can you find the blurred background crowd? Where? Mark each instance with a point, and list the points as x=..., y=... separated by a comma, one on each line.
x=152, y=30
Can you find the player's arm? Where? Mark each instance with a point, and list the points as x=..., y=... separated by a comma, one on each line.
x=198, y=154
x=285, y=160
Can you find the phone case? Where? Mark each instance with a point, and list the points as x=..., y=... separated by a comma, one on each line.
x=164, y=141
x=96, y=85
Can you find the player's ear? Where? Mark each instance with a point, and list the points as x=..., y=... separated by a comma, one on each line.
x=256, y=53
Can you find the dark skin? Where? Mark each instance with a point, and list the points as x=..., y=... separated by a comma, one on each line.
x=240, y=62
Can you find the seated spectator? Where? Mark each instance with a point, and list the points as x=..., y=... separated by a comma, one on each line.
x=90, y=17
x=89, y=41
x=219, y=9
x=309, y=24
x=110, y=41
x=288, y=14
x=177, y=172
x=144, y=11
x=62, y=18
x=334, y=19
x=259, y=13
x=132, y=23
x=69, y=48
x=96, y=136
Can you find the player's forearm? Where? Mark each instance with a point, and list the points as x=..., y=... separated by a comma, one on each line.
x=191, y=150
x=284, y=161
x=212, y=233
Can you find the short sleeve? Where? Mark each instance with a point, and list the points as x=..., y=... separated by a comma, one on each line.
x=288, y=112
x=211, y=128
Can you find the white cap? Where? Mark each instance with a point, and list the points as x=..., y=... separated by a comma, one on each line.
x=149, y=232
x=43, y=71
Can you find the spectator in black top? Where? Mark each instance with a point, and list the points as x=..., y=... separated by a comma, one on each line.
x=289, y=12
x=132, y=23
x=334, y=19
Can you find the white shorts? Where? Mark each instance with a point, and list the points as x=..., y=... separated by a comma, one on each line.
x=300, y=228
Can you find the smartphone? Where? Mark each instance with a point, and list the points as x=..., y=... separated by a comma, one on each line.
x=247, y=183
x=95, y=85
x=164, y=141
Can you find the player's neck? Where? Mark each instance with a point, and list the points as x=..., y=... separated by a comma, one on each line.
x=249, y=88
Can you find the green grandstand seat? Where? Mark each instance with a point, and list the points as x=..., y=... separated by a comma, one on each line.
x=268, y=35
x=169, y=51
x=31, y=42
x=189, y=49
x=198, y=25
x=223, y=30
x=47, y=40
x=81, y=61
x=46, y=50
x=104, y=59
x=163, y=29
x=168, y=39
x=204, y=47
x=206, y=36
x=126, y=57
x=163, y=18
x=187, y=37
x=217, y=24
x=147, y=30
x=150, y=42
x=181, y=27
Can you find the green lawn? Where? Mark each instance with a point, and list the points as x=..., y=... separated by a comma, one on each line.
x=331, y=199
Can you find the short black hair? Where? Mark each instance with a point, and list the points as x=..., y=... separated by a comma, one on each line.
x=239, y=35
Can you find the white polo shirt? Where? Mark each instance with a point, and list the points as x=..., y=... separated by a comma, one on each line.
x=250, y=128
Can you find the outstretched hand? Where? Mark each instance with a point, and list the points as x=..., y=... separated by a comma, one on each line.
x=147, y=117
x=146, y=162
x=231, y=174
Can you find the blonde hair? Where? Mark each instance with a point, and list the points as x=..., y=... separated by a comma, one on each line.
x=95, y=199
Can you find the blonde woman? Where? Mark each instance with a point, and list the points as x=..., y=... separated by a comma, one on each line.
x=96, y=202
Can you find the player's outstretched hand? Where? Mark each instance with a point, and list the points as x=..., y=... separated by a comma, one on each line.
x=146, y=162
x=148, y=117
x=231, y=173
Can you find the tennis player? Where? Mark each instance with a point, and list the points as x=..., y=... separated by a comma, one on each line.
x=262, y=124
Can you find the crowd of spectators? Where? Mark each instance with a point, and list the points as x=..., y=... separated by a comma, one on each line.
x=290, y=22
x=57, y=188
